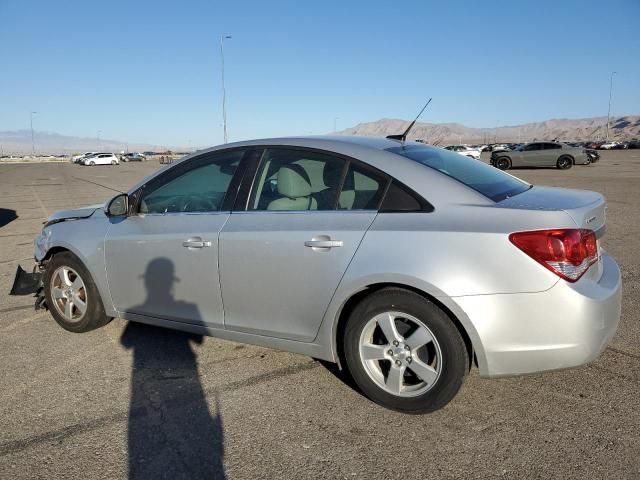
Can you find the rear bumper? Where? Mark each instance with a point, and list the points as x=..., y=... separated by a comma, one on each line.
x=566, y=326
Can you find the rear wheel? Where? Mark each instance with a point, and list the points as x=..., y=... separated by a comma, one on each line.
x=404, y=352
x=503, y=163
x=92, y=163
x=71, y=294
x=564, y=163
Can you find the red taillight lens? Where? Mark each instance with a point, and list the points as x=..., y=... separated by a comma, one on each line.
x=566, y=252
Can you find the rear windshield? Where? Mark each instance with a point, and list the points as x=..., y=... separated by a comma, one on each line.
x=487, y=180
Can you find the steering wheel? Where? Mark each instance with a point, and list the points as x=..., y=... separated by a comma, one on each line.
x=197, y=203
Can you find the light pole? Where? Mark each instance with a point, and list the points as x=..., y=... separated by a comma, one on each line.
x=224, y=93
x=610, y=93
x=98, y=138
x=33, y=144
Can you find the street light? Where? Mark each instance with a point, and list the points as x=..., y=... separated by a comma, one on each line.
x=33, y=145
x=224, y=93
x=610, y=93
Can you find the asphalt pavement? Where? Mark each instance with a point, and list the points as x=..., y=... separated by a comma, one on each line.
x=133, y=401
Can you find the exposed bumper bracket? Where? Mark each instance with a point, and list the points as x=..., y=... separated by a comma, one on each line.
x=26, y=283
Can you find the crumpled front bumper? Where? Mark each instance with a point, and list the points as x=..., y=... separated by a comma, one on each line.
x=29, y=283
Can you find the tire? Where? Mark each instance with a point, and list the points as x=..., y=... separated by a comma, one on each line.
x=92, y=163
x=503, y=163
x=564, y=163
x=93, y=316
x=113, y=162
x=445, y=355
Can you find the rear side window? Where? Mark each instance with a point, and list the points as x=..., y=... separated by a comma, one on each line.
x=487, y=180
x=552, y=146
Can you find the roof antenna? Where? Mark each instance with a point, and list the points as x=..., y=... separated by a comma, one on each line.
x=403, y=137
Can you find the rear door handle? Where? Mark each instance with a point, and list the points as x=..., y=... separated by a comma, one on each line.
x=323, y=242
x=196, y=242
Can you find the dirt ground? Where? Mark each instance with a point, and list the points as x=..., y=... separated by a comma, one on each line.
x=141, y=402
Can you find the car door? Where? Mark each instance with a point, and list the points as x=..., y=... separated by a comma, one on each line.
x=550, y=154
x=162, y=260
x=530, y=155
x=284, y=251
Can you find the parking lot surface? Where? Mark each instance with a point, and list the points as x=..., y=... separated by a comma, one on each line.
x=135, y=401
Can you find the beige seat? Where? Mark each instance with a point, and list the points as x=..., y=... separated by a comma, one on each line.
x=295, y=188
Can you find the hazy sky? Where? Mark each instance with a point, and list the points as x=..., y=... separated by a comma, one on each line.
x=150, y=71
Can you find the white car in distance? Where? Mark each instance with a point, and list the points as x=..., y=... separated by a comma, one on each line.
x=81, y=157
x=101, y=159
x=464, y=150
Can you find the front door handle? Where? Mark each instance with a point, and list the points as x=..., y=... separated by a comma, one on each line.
x=323, y=242
x=196, y=242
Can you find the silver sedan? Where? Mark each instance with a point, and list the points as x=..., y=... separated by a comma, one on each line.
x=403, y=263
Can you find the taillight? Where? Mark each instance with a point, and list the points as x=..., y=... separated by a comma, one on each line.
x=566, y=252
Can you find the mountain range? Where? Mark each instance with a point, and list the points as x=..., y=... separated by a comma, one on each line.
x=621, y=128
x=19, y=143
x=563, y=129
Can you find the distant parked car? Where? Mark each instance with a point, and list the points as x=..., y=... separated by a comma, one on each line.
x=79, y=158
x=634, y=144
x=500, y=147
x=133, y=157
x=101, y=159
x=464, y=150
x=541, y=154
x=608, y=146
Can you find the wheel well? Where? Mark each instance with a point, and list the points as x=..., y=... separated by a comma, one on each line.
x=354, y=300
x=52, y=251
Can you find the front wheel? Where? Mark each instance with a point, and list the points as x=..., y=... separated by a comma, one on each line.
x=404, y=352
x=71, y=294
x=92, y=163
x=564, y=163
x=113, y=162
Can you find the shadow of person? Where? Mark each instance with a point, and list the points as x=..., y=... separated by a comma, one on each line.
x=7, y=216
x=171, y=433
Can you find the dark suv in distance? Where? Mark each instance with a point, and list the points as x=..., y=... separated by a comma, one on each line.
x=133, y=157
x=542, y=154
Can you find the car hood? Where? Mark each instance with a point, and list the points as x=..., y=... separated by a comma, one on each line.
x=74, y=214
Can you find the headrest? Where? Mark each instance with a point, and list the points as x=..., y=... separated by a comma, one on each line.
x=293, y=181
x=331, y=175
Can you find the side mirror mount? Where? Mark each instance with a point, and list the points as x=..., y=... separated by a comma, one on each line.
x=118, y=206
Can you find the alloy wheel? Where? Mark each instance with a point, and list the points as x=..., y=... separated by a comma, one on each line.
x=69, y=294
x=400, y=354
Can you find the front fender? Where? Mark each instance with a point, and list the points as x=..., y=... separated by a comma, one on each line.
x=85, y=239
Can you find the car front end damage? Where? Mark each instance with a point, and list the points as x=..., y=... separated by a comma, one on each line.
x=30, y=283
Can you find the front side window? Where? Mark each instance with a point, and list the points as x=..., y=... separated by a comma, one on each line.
x=532, y=147
x=488, y=181
x=199, y=186
x=295, y=180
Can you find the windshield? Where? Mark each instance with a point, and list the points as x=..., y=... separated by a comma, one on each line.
x=487, y=180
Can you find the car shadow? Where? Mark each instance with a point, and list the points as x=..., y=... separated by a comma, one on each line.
x=7, y=216
x=171, y=432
